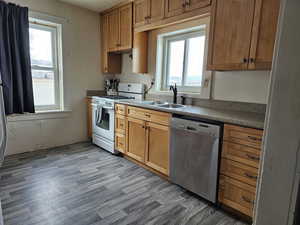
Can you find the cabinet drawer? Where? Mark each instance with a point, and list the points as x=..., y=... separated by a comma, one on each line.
x=120, y=124
x=240, y=153
x=237, y=195
x=149, y=115
x=120, y=109
x=120, y=142
x=239, y=171
x=245, y=136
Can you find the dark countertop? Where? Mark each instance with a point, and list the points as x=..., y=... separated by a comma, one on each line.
x=247, y=119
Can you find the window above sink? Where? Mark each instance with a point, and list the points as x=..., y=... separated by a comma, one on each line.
x=181, y=59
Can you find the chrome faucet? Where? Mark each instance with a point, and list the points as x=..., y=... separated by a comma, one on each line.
x=174, y=89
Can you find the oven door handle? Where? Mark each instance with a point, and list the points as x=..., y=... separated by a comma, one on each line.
x=108, y=108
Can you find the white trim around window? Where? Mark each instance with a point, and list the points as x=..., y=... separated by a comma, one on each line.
x=163, y=65
x=56, y=68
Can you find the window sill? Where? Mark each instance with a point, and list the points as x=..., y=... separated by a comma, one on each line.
x=39, y=115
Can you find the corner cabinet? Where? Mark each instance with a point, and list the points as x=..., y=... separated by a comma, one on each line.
x=120, y=28
x=111, y=63
x=117, y=36
x=242, y=34
x=146, y=136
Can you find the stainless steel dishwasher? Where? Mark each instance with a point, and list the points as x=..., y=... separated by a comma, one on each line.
x=194, y=156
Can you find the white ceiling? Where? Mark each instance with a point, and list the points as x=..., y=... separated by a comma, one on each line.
x=95, y=5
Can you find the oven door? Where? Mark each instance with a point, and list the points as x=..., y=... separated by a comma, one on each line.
x=104, y=127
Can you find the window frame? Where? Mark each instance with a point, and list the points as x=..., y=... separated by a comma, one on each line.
x=161, y=87
x=56, y=68
x=167, y=42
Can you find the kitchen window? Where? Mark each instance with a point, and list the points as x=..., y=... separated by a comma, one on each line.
x=183, y=61
x=46, y=65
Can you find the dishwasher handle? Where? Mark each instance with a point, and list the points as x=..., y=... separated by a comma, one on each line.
x=196, y=127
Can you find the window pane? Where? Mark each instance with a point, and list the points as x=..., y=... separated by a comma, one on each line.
x=43, y=87
x=176, y=57
x=41, y=47
x=194, y=70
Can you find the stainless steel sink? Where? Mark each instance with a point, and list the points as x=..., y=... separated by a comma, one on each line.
x=170, y=106
x=153, y=103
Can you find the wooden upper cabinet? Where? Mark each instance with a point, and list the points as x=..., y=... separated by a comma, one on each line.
x=230, y=36
x=148, y=11
x=141, y=12
x=126, y=30
x=242, y=34
x=120, y=28
x=156, y=9
x=196, y=4
x=264, y=34
x=104, y=43
x=113, y=30
x=111, y=63
x=174, y=7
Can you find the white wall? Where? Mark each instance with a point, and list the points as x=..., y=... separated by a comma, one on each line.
x=81, y=57
x=239, y=86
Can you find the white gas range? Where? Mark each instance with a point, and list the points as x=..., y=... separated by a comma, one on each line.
x=104, y=114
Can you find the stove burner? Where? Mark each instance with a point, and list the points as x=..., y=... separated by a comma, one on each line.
x=115, y=97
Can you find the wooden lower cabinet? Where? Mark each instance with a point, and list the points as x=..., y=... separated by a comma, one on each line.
x=136, y=137
x=239, y=168
x=237, y=195
x=157, y=147
x=145, y=134
x=89, y=117
x=120, y=142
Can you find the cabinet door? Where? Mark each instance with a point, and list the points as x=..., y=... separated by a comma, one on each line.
x=264, y=34
x=157, y=148
x=136, y=139
x=113, y=30
x=230, y=34
x=174, y=7
x=111, y=63
x=237, y=195
x=120, y=124
x=196, y=4
x=141, y=12
x=104, y=41
x=125, y=15
x=157, y=10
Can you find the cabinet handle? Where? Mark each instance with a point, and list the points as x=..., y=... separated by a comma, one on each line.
x=250, y=176
x=248, y=200
x=183, y=5
x=147, y=115
x=245, y=60
x=254, y=138
x=252, y=157
x=187, y=3
x=252, y=60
